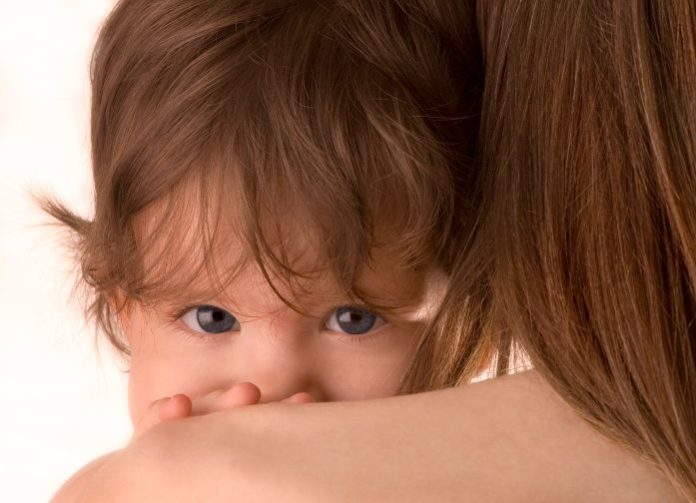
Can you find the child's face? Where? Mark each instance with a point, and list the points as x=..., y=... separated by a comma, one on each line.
x=335, y=350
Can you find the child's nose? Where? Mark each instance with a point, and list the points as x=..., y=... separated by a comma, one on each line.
x=280, y=362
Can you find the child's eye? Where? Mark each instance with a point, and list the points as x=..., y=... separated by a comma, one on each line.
x=353, y=320
x=210, y=320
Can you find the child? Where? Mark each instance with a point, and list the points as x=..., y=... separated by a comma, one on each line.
x=579, y=279
x=276, y=185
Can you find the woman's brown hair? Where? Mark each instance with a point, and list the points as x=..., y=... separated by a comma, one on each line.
x=588, y=226
x=213, y=117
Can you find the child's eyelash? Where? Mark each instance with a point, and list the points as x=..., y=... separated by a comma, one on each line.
x=174, y=314
x=357, y=339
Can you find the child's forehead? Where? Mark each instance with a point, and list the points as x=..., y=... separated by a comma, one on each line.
x=210, y=227
x=201, y=259
x=244, y=284
x=200, y=239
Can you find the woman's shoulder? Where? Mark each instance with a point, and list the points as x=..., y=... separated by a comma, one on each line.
x=525, y=430
x=507, y=439
x=510, y=439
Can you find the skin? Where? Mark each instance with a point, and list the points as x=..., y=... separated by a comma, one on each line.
x=514, y=440
x=273, y=353
x=505, y=440
x=284, y=339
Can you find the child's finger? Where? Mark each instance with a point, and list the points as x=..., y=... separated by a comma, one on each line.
x=301, y=397
x=176, y=407
x=244, y=393
x=150, y=418
x=164, y=409
x=238, y=395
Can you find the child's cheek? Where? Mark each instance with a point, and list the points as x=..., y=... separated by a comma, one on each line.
x=141, y=393
x=153, y=377
x=173, y=369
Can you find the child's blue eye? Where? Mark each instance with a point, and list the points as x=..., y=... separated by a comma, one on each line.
x=210, y=320
x=352, y=320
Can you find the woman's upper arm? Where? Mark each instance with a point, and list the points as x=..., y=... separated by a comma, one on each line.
x=511, y=439
x=381, y=450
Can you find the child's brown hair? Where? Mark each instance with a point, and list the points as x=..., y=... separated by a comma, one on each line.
x=206, y=115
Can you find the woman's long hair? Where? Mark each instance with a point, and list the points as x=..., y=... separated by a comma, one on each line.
x=588, y=158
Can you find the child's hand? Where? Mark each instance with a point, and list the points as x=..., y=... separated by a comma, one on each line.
x=181, y=406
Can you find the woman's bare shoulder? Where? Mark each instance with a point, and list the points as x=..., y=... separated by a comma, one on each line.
x=509, y=439
x=527, y=431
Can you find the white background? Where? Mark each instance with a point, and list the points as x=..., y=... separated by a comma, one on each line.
x=63, y=402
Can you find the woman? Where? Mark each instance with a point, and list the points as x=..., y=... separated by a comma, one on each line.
x=585, y=256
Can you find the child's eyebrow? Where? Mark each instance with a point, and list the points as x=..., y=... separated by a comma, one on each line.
x=312, y=302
